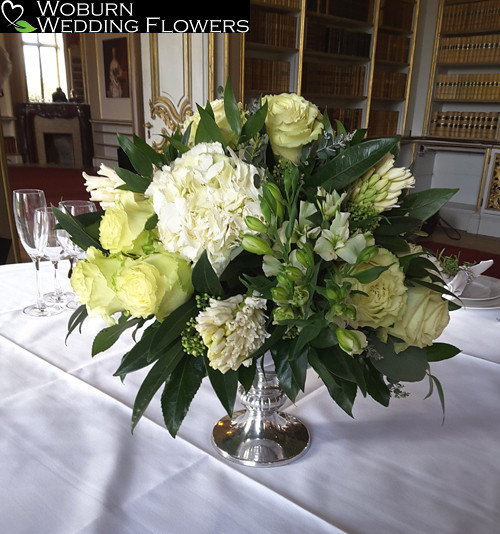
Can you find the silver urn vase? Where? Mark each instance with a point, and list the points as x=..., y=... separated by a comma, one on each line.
x=261, y=435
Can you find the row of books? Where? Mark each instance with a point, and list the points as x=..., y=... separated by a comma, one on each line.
x=392, y=47
x=397, y=14
x=471, y=16
x=470, y=49
x=349, y=117
x=389, y=84
x=321, y=38
x=287, y=4
x=267, y=75
x=340, y=80
x=383, y=123
x=272, y=28
x=464, y=124
x=477, y=86
x=353, y=9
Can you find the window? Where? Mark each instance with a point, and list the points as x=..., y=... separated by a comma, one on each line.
x=45, y=65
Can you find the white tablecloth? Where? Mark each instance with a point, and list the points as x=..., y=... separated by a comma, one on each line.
x=70, y=464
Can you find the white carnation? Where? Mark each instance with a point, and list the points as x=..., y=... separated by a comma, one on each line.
x=201, y=200
x=232, y=330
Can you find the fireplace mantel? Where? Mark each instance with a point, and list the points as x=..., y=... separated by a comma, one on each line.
x=37, y=120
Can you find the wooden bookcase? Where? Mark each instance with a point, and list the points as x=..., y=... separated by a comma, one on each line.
x=353, y=59
x=465, y=98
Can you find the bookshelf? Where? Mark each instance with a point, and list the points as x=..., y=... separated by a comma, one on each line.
x=397, y=26
x=352, y=59
x=465, y=99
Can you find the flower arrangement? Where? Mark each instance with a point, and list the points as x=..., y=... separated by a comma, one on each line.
x=262, y=229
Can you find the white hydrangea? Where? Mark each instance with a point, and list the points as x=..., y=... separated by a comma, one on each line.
x=201, y=200
x=232, y=330
x=103, y=188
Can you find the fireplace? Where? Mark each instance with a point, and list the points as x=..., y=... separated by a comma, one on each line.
x=56, y=134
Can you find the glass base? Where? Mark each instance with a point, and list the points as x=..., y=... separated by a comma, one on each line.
x=243, y=439
x=35, y=311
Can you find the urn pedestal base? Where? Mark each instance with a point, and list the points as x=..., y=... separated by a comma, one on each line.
x=261, y=435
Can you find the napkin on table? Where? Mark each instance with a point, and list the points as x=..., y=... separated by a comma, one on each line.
x=465, y=275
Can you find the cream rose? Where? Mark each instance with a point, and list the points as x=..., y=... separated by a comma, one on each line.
x=220, y=119
x=425, y=317
x=154, y=285
x=122, y=225
x=385, y=297
x=291, y=123
x=92, y=282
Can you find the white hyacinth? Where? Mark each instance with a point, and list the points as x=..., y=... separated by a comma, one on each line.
x=103, y=188
x=232, y=330
x=381, y=186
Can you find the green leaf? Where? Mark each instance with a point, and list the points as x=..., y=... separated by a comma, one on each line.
x=138, y=158
x=76, y=320
x=375, y=385
x=149, y=151
x=231, y=109
x=441, y=351
x=24, y=27
x=352, y=163
x=246, y=375
x=204, y=278
x=369, y=275
x=396, y=226
x=76, y=230
x=138, y=356
x=291, y=373
x=255, y=122
x=171, y=327
x=179, y=391
x=133, y=182
x=409, y=365
x=344, y=366
x=225, y=386
x=425, y=204
x=208, y=131
x=108, y=336
x=157, y=375
x=434, y=380
x=341, y=391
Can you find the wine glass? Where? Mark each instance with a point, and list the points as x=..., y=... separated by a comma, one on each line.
x=33, y=238
x=73, y=251
x=53, y=251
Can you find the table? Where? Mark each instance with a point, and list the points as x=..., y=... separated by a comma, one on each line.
x=69, y=463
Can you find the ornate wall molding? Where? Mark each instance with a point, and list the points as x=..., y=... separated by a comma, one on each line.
x=493, y=200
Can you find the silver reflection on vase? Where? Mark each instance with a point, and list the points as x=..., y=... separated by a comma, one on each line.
x=261, y=435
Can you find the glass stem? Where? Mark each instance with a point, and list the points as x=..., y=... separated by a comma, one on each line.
x=40, y=302
x=57, y=286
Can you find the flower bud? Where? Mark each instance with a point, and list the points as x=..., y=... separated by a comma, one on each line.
x=255, y=224
x=283, y=313
x=256, y=245
x=293, y=273
x=351, y=341
x=280, y=294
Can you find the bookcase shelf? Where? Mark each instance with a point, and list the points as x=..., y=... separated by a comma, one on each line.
x=353, y=59
x=465, y=89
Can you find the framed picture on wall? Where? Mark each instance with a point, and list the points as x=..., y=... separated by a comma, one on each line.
x=113, y=66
